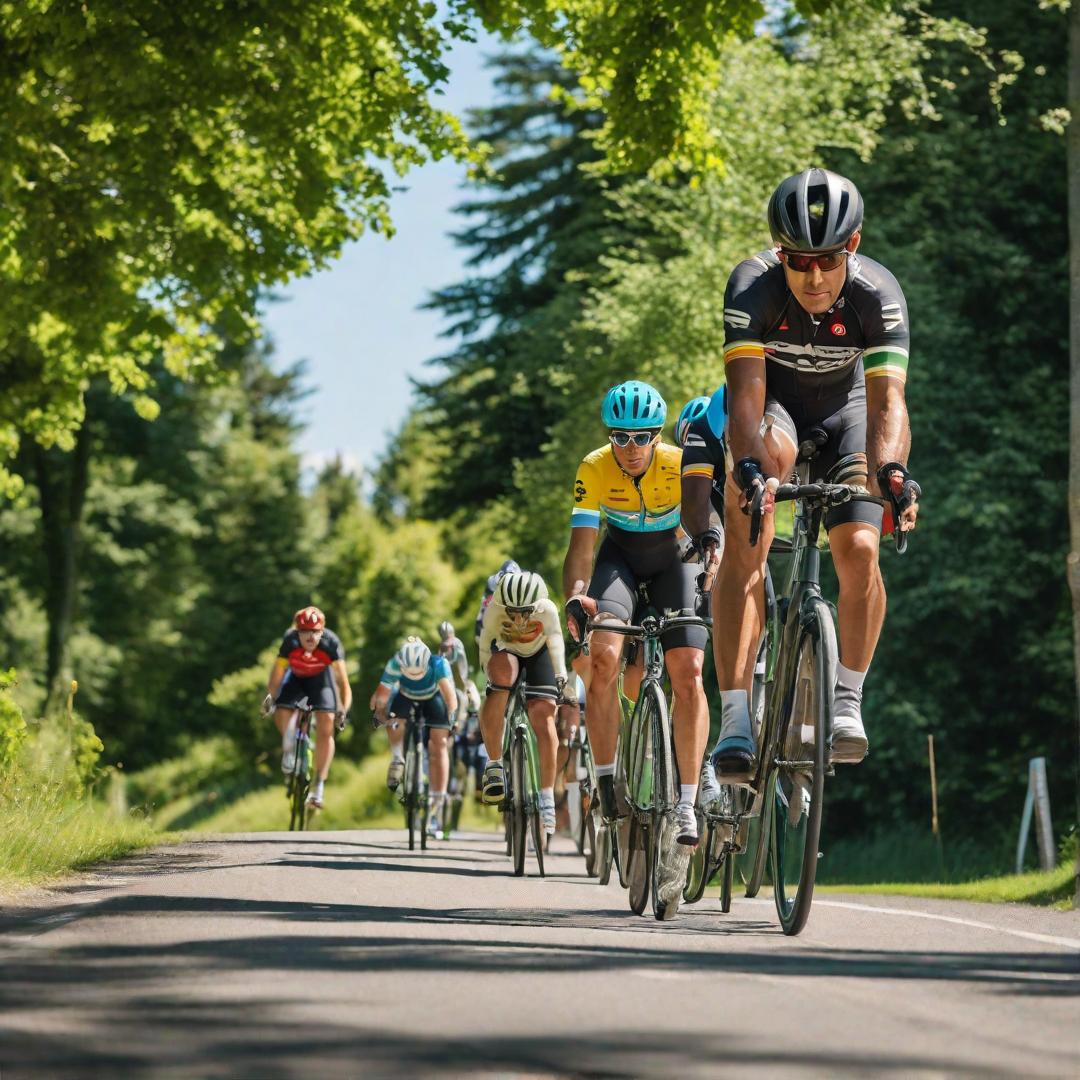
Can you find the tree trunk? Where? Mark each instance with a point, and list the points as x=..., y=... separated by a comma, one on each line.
x=62, y=480
x=1073, y=171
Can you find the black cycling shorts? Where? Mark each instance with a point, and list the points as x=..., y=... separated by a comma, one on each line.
x=671, y=588
x=432, y=709
x=318, y=690
x=539, y=673
x=845, y=426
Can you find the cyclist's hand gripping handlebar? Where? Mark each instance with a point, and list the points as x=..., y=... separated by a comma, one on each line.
x=903, y=496
x=758, y=492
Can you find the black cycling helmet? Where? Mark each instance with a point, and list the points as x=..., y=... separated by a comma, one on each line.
x=816, y=210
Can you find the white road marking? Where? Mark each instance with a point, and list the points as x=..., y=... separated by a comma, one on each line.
x=1046, y=939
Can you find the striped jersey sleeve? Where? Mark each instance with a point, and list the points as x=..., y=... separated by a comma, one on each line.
x=885, y=324
x=743, y=329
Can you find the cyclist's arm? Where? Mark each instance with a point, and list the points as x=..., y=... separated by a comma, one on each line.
x=549, y=619
x=488, y=631
x=745, y=369
x=391, y=674
x=446, y=688
x=577, y=566
x=461, y=663
x=277, y=673
x=888, y=433
x=341, y=677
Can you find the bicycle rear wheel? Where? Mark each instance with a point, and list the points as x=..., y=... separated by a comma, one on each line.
x=300, y=785
x=667, y=865
x=518, y=818
x=797, y=792
x=539, y=838
x=727, y=880
x=697, y=870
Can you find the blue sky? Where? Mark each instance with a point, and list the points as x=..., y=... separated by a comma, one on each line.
x=357, y=323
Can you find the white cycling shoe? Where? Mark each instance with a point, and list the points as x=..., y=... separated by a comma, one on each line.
x=708, y=787
x=686, y=827
x=547, y=818
x=288, y=760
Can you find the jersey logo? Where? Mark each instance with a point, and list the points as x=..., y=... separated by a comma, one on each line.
x=693, y=440
x=784, y=325
x=839, y=329
x=740, y=320
x=891, y=316
x=579, y=491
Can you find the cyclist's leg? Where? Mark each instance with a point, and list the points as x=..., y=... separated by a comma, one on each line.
x=541, y=696
x=614, y=587
x=501, y=672
x=738, y=599
x=854, y=535
x=285, y=718
x=438, y=722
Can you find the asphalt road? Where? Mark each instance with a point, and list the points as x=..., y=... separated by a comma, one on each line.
x=342, y=954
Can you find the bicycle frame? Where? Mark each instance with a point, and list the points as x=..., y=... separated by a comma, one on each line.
x=516, y=724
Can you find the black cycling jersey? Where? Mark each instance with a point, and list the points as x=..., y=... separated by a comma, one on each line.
x=812, y=362
x=305, y=664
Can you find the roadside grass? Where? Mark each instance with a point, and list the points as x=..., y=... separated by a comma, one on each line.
x=356, y=797
x=48, y=832
x=1053, y=888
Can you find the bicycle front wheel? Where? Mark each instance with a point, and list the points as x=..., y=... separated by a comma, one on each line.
x=797, y=786
x=519, y=825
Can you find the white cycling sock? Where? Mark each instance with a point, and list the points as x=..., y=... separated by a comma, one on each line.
x=735, y=713
x=605, y=770
x=547, y=796
x=852, y=680
x=397, y=753
x=687, y=794
x=437, y=796
x=288, y=736
x=319, y=788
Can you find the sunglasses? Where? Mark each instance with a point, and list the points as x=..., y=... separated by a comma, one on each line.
x=520, y=610
x=803, y=264
x=638, y=438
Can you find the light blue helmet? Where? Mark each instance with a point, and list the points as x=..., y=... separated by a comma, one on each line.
x=634, y=406
x=690, y=412
x=717, y=411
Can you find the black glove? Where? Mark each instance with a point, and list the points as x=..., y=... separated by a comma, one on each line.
x=575, y=613
x=341, y=718
x=910, y=492
x=750, y=478
x=709, y=539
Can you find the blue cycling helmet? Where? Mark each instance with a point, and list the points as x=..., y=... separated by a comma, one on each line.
x=690, y=412
x=717, y=411
x=634, y=406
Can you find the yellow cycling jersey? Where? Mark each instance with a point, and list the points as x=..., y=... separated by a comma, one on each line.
x=648, y=503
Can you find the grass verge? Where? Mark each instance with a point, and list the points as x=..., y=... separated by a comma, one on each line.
x=1052, y=888
x=47, y=834
x=356, y=797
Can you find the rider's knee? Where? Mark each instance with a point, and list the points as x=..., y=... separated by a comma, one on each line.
x=685, y=672
x=604, y=663
x=855, y=551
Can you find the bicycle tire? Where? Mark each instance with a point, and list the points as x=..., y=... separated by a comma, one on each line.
x=589, y=844
x=727, y=881
x=300, y=785
x=662, y=795
x=794, y=846
x=697, y=870
x=759, y=860
x=518, y=825
x=638, y=870
x=539, y=838
x=412, y=801
x=423, y=806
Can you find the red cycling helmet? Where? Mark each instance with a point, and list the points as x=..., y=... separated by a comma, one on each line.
x=309, y=618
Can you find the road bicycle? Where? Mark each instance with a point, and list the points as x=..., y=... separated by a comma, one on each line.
x=787, y=789
x=646, y=776
x=298, y=781
x=413, y=790
x=521, y=772
x=592, y=834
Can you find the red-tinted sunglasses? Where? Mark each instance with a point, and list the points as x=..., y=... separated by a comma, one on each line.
x=824, y=261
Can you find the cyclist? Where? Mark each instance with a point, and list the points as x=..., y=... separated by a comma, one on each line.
x=816, y=337
x=313, y=660
x=414, y=675
x=453, y=649
x=634, y=482
x=508, y=567
x=521, y=627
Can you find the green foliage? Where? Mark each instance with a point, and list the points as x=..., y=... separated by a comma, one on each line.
x=12, y=724
x=161, y=167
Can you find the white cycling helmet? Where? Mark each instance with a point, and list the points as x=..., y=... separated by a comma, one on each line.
x=413, y=658
x=521, y=590
x=446, y=630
